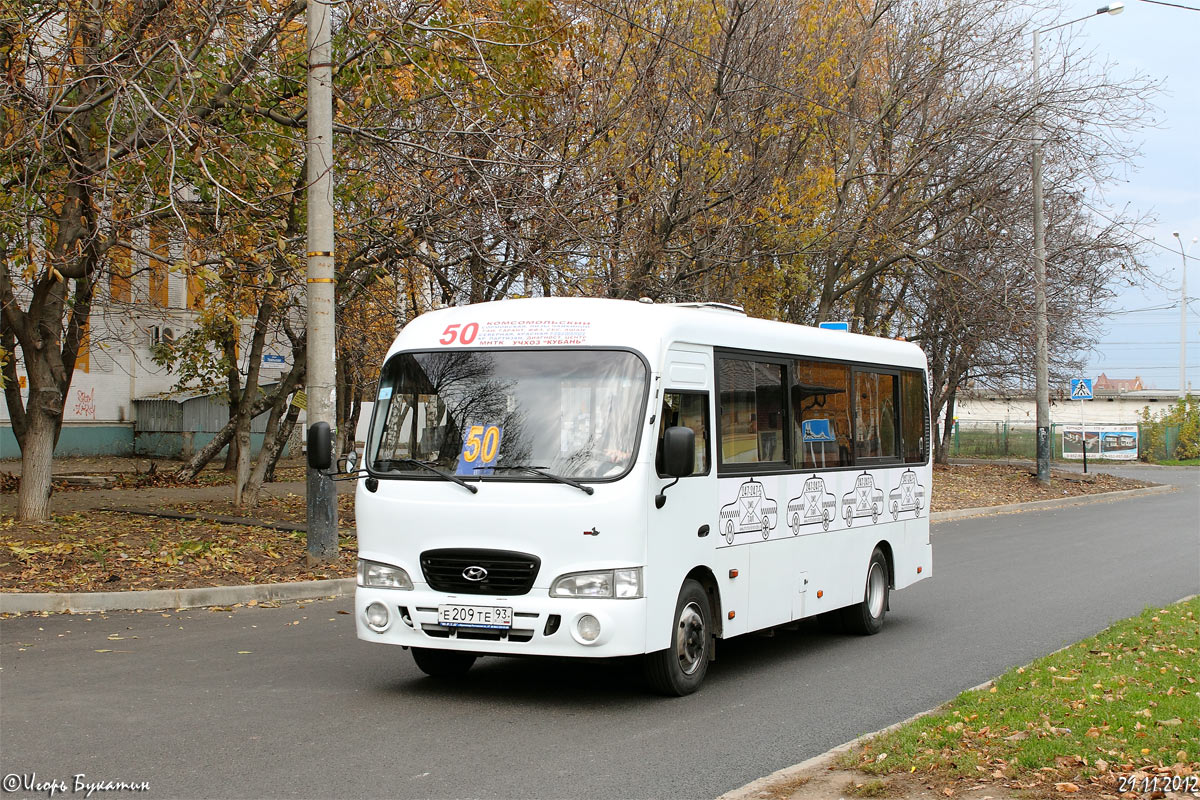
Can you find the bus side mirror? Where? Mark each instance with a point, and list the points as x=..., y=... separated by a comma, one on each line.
x=320, y=446
x=679, y=452
x=679, y=458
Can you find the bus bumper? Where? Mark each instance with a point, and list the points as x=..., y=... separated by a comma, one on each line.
x=541, y=625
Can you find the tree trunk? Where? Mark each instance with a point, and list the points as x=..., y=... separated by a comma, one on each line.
x=942, y=443
x=37, y=464
x=268, y=454
x=222, y=437
x=242, y=439
x=285, y=433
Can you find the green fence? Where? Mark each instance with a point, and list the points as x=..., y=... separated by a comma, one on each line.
x=1003, y=439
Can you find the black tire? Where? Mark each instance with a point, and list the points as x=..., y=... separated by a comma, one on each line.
x=442, y=663
x=680, y=669
x=866, y=618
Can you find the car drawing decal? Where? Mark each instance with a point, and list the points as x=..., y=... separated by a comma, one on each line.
x=908, y=496
x=864, y=500
x=751, y=511
x=814, y=505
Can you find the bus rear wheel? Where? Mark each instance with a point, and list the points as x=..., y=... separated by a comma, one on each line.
x=680, y=669
x=866, y=618
x=442, y=663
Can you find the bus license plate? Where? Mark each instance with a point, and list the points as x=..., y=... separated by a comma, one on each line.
x=475, y=616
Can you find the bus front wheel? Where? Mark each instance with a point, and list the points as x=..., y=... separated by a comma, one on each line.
x=679, y=670
x=866, y=617
x=442, y=663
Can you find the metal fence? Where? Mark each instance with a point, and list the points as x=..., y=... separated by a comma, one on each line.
x=1004, y=439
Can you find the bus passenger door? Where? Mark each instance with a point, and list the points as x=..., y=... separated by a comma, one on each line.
x=683, y=534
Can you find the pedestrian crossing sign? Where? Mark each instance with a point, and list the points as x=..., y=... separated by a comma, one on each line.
x=1081, y=388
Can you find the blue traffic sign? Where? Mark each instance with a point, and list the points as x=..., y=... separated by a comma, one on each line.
x=1081, y=389
x=817, y=430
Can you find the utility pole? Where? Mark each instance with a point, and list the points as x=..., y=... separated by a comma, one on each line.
x=1183, y=387
x=1042, y=323
x=320, y=370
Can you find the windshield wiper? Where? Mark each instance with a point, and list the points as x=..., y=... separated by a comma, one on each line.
x=425, y=465
x=542, y=471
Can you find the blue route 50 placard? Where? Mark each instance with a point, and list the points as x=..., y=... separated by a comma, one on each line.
x=481, y=445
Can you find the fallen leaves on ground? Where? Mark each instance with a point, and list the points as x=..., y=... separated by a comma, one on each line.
x=291, y=508
x=959, y=486
x=111, y=551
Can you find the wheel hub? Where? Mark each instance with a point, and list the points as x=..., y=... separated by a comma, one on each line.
x=876, y=590
x=690, y=644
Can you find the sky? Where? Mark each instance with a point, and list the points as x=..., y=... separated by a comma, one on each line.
x=1142, y=338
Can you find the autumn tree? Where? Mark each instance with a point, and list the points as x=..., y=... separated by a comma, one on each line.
x=111, y=114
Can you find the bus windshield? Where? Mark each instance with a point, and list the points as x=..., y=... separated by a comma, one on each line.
x=477, y=414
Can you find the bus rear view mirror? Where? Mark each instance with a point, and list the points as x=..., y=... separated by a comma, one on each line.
x=679, y=452
x=320, y=446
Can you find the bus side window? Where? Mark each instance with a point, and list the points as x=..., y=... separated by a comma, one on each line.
x=690, y=410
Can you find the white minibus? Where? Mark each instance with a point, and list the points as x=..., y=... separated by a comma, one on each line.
x=606, y=478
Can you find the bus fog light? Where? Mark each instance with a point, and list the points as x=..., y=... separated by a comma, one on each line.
x=376, y=616
x=588, y=627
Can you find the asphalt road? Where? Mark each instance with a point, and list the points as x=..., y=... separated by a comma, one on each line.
x=286, y=702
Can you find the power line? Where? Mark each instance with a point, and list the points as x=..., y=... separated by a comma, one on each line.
x=1130, y=230
x=1164, y=307
x=1141, y=368
x=1172, y=5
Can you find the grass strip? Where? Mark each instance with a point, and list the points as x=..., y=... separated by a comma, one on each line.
x=1120, y=706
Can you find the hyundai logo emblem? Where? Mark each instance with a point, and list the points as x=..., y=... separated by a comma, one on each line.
x=476, y=574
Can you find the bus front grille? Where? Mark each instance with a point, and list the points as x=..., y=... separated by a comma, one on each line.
x=492, y=572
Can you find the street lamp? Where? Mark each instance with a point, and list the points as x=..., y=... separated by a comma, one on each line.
x=1042, y=323
x=1183, y=315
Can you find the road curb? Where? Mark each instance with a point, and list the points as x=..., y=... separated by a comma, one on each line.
x=1058, y=502
x=162, y=599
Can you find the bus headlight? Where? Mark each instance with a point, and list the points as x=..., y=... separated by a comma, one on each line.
x=382, y=576
x=618, y=583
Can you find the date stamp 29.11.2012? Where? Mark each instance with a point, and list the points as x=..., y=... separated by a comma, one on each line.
x=1141, y=783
